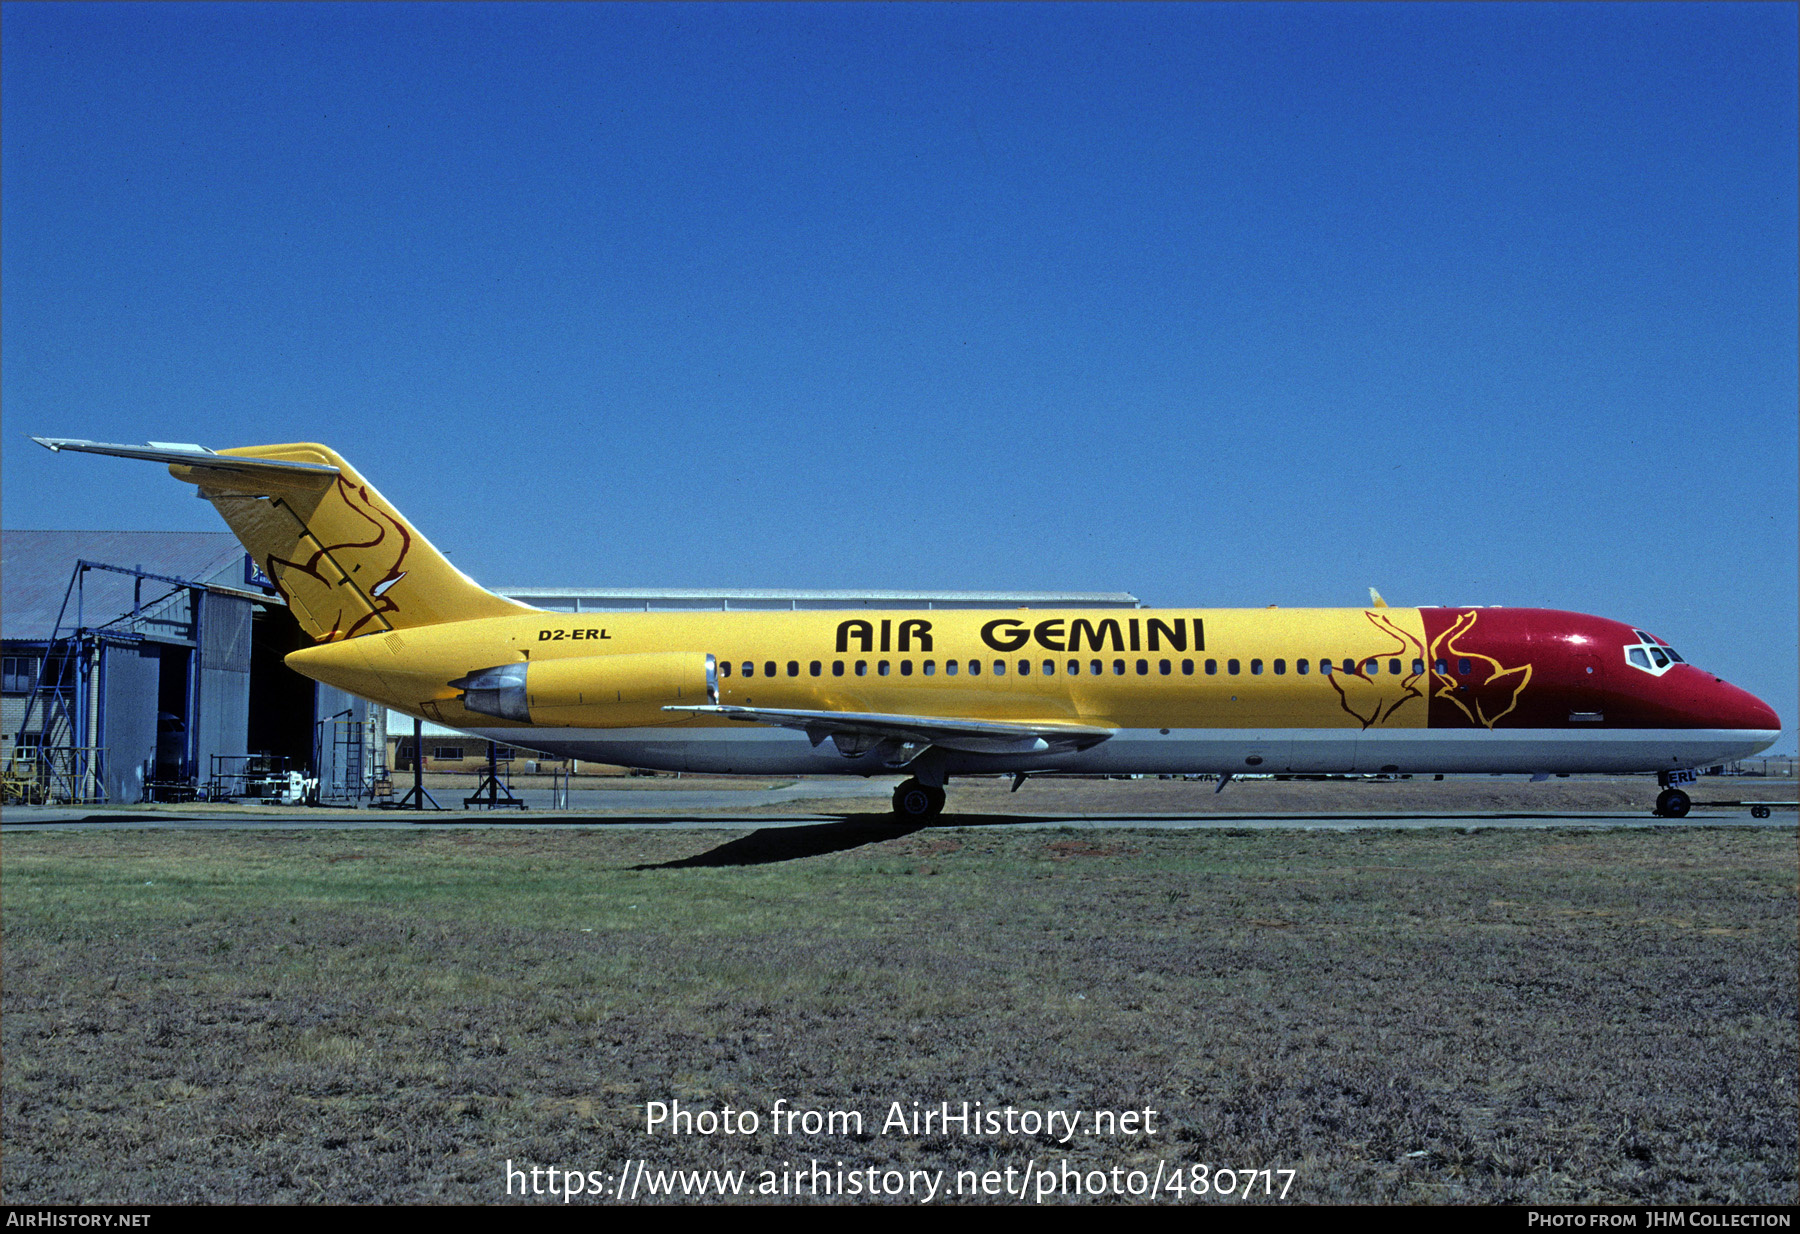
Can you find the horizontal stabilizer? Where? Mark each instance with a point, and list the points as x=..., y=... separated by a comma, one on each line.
x=194, y=456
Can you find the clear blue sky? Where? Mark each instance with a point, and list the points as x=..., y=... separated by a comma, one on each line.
x=1223, y=305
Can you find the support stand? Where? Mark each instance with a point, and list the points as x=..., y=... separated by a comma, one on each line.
x=490, y=782
x=416, y=797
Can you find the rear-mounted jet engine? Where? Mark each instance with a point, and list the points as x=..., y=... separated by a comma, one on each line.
x=591, y=691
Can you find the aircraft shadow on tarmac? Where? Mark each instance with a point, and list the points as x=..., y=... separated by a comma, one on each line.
x=767, y=845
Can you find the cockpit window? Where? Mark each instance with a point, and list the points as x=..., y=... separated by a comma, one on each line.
x=1650, y=655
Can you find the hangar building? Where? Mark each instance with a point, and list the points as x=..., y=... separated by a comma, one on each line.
x=131, y=659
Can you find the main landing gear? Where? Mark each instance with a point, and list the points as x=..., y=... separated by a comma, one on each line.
x=916, y=803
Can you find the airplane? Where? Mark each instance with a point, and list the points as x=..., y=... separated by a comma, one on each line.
x=939, y=693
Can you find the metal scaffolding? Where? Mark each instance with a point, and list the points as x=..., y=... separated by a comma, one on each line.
x=54, y=756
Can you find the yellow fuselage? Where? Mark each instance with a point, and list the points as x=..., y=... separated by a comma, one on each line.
x=1188, y=668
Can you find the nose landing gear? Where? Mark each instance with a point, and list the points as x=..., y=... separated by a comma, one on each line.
x=916, y=803
x=1672, y=803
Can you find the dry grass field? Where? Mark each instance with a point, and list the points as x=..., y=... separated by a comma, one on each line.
x=1439, y=1016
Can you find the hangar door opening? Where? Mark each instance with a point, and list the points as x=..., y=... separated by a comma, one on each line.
x=281, y=700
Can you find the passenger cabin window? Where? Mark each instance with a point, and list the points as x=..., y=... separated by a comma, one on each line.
x=1096, y=668
x=837, y=668
x=724, y=668
x=906, y=668
x=793, y=668
x=1256, y=668
x=930, y=667
x=1024, y=668
x=1212, y=668
x=814, y=668
x=768, y=668
x=1049, y=668
x=882, y=668
x=1325, y=667
x=1143, y=668
x=1372, y=668
x=999, y=668
x=749, y=669
x=1074, y=668
x=1231, y=666
x=862, y=668
x=1462, y=666
x=1164, y=667
x=1394, y=667
x=1300, y=667
x=974, y=668
x=950, y=668
x=1118, y=668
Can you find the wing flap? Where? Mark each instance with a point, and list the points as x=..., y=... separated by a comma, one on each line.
x=950, y=733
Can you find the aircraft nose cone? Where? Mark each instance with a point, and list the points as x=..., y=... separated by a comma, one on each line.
x=1752, y=712
x=1698, y=699
x=1726, y=706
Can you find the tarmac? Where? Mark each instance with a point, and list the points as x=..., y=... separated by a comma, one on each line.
x=723, y=810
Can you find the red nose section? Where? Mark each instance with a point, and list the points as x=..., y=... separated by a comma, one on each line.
x=1749, y=711
x=1706, y=702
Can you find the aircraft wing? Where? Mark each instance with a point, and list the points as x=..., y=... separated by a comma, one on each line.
x=856, y=733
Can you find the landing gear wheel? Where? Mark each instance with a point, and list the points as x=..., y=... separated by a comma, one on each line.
x=915, y=803
x=1759, y=811
x=1672, y=803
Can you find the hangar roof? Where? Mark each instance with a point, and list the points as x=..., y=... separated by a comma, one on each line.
x=35, y=568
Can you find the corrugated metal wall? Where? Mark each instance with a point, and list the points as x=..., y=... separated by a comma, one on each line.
x=340, y=747
x=129, y=676
x=223, y=723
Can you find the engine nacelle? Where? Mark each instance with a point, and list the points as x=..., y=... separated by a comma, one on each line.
x=592, y=691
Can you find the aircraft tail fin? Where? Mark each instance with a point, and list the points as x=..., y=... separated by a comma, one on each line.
x=344, y=559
